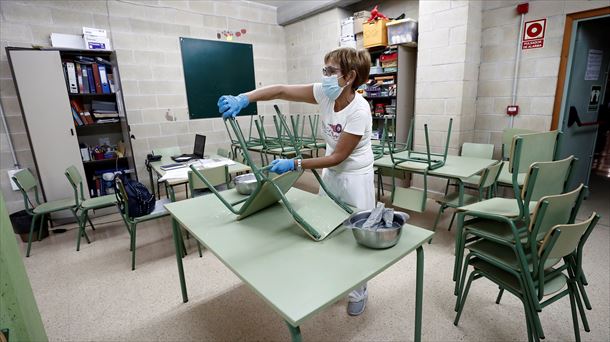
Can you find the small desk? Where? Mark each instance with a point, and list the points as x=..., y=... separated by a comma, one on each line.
x=455, y=167
x=296, y=276
x=156, y=168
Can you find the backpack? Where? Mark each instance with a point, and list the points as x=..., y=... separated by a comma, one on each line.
x=140, y=201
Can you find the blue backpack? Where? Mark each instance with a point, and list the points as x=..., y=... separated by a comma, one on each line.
x=140, y=201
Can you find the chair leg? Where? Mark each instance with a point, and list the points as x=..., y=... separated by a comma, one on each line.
x=574, y=314
x=583, y=292
x=581, y=310
x=499, y=295
x=199, y=249
x=438, y=215
x=42, y=218
x=447, y=186
x=91, y=223
x=461, y=306
x=81, y=229
x=461, y=283
x=34, y=218
x=133, y=247
x=451, y=222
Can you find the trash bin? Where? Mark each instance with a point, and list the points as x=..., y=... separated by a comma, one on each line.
x=21, y=221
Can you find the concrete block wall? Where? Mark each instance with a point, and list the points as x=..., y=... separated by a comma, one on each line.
x=538, y=67
x=447, y=75
x=307, y=41
x=145, y=36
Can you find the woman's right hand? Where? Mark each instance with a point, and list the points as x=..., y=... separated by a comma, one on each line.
x=229, y=105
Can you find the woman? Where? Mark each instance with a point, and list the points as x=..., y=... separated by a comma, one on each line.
x=346, y=128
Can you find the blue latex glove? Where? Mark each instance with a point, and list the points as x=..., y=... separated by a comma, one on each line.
x=229, y=105
x=280, y=166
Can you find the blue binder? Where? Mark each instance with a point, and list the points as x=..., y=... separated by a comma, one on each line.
x=104, y=79
x=90, y=79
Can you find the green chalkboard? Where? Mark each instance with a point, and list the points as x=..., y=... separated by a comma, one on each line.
x=213, y=68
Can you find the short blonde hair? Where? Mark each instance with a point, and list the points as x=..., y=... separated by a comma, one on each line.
x=351, y=59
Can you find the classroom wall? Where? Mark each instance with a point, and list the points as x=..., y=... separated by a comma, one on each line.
x=538, y=68
x=145, y=36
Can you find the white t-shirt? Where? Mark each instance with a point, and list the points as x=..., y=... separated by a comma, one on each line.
x=354, y=119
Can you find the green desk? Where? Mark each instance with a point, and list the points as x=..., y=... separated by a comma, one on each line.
x=455, y=167
x=296, y=276
x=156, y=168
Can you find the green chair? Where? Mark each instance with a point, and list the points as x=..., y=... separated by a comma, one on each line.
x=165, y=153
x=472, y=150
x=26, y=182
x=535, y=275
x=132, y=222
x=84, y=205
x=505, y=178
x=485, y=184
x=313, y=141
x=217, y=176
x=223, y=152
x=543, y=179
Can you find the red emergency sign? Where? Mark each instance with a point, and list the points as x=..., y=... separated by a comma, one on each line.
x=533, y=34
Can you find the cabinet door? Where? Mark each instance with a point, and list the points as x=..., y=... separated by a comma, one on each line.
x=40, y=82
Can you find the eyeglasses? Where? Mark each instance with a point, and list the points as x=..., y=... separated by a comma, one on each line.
x=330, y=70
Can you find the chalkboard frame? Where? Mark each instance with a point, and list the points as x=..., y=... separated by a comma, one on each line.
x=213, y=68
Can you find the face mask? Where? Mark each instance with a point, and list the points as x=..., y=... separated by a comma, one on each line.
x=331, y=88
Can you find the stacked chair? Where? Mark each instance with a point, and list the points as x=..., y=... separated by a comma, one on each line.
x=528, y=245
x=414, y=162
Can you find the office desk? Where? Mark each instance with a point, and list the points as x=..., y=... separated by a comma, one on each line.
x=156, y=168
x=296, y=276
x=455, y=167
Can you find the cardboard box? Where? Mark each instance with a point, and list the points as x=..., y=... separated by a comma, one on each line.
x=348, y=41
x=360, y=41
x=375, y=33
x=359, y=19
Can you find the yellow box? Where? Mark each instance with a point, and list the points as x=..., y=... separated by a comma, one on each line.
x=375, y=33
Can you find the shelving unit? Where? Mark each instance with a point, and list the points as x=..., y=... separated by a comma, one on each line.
x=60, y=115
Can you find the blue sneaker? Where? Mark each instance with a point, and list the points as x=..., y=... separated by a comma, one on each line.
x=357, y=301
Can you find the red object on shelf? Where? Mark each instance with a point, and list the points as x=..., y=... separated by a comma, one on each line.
x=389, y=57
x=523, y=8
x=375, y=14
x=98, y=155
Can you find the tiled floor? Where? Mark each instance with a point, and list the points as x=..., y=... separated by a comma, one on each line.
x=93, y=294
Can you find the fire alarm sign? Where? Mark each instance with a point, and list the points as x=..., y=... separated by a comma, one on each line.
x=533, y=34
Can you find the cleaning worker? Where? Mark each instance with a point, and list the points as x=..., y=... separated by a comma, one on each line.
x=346, y=128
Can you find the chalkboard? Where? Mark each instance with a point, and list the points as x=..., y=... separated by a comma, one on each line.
x=213, y=68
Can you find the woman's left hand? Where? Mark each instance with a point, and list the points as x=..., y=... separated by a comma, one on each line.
x=280, y=166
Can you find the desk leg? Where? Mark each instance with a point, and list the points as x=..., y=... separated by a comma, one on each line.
x=461, y=193
x=178, y=246
x=419, y=292
x=295, y=333
x=172, y=198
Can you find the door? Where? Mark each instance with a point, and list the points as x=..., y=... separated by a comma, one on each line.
x=41, y=86
x=586, y=82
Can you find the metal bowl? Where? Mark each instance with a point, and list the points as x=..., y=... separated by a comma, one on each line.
x=245, y=184
x=379, y=238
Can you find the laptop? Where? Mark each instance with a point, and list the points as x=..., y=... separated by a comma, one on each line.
x=198, y=150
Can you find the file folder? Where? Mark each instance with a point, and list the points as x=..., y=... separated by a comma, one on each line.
x=90, y=79
x=96, y=77
x=71, y=71
x=104, y=79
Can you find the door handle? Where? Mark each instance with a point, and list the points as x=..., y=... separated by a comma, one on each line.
x=72, y=131
x=573, y=118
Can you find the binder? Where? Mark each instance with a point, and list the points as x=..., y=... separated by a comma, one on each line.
x=111, y=82
x=80, y=112
x=76, y=117
x=79, y=78
x=104, y=79
x=88, y=117
x=90, y=79
x=71, y=70
x=85, y=79
x=96, y=77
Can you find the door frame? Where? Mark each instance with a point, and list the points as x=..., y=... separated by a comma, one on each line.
x=565, y=55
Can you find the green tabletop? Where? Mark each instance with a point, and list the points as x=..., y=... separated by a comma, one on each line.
x=455, y=166
x=268, y=251
x=156, y=168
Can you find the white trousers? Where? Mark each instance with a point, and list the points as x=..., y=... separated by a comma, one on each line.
x=356, y=190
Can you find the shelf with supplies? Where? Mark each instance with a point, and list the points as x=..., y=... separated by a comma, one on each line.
x=99, y=128
x=103, y=161
x=379, y=97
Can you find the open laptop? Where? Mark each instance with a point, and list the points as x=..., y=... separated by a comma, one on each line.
x=198, y=150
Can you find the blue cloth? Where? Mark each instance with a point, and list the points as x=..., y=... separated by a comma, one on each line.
x=229, y=106
x=280, y=166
